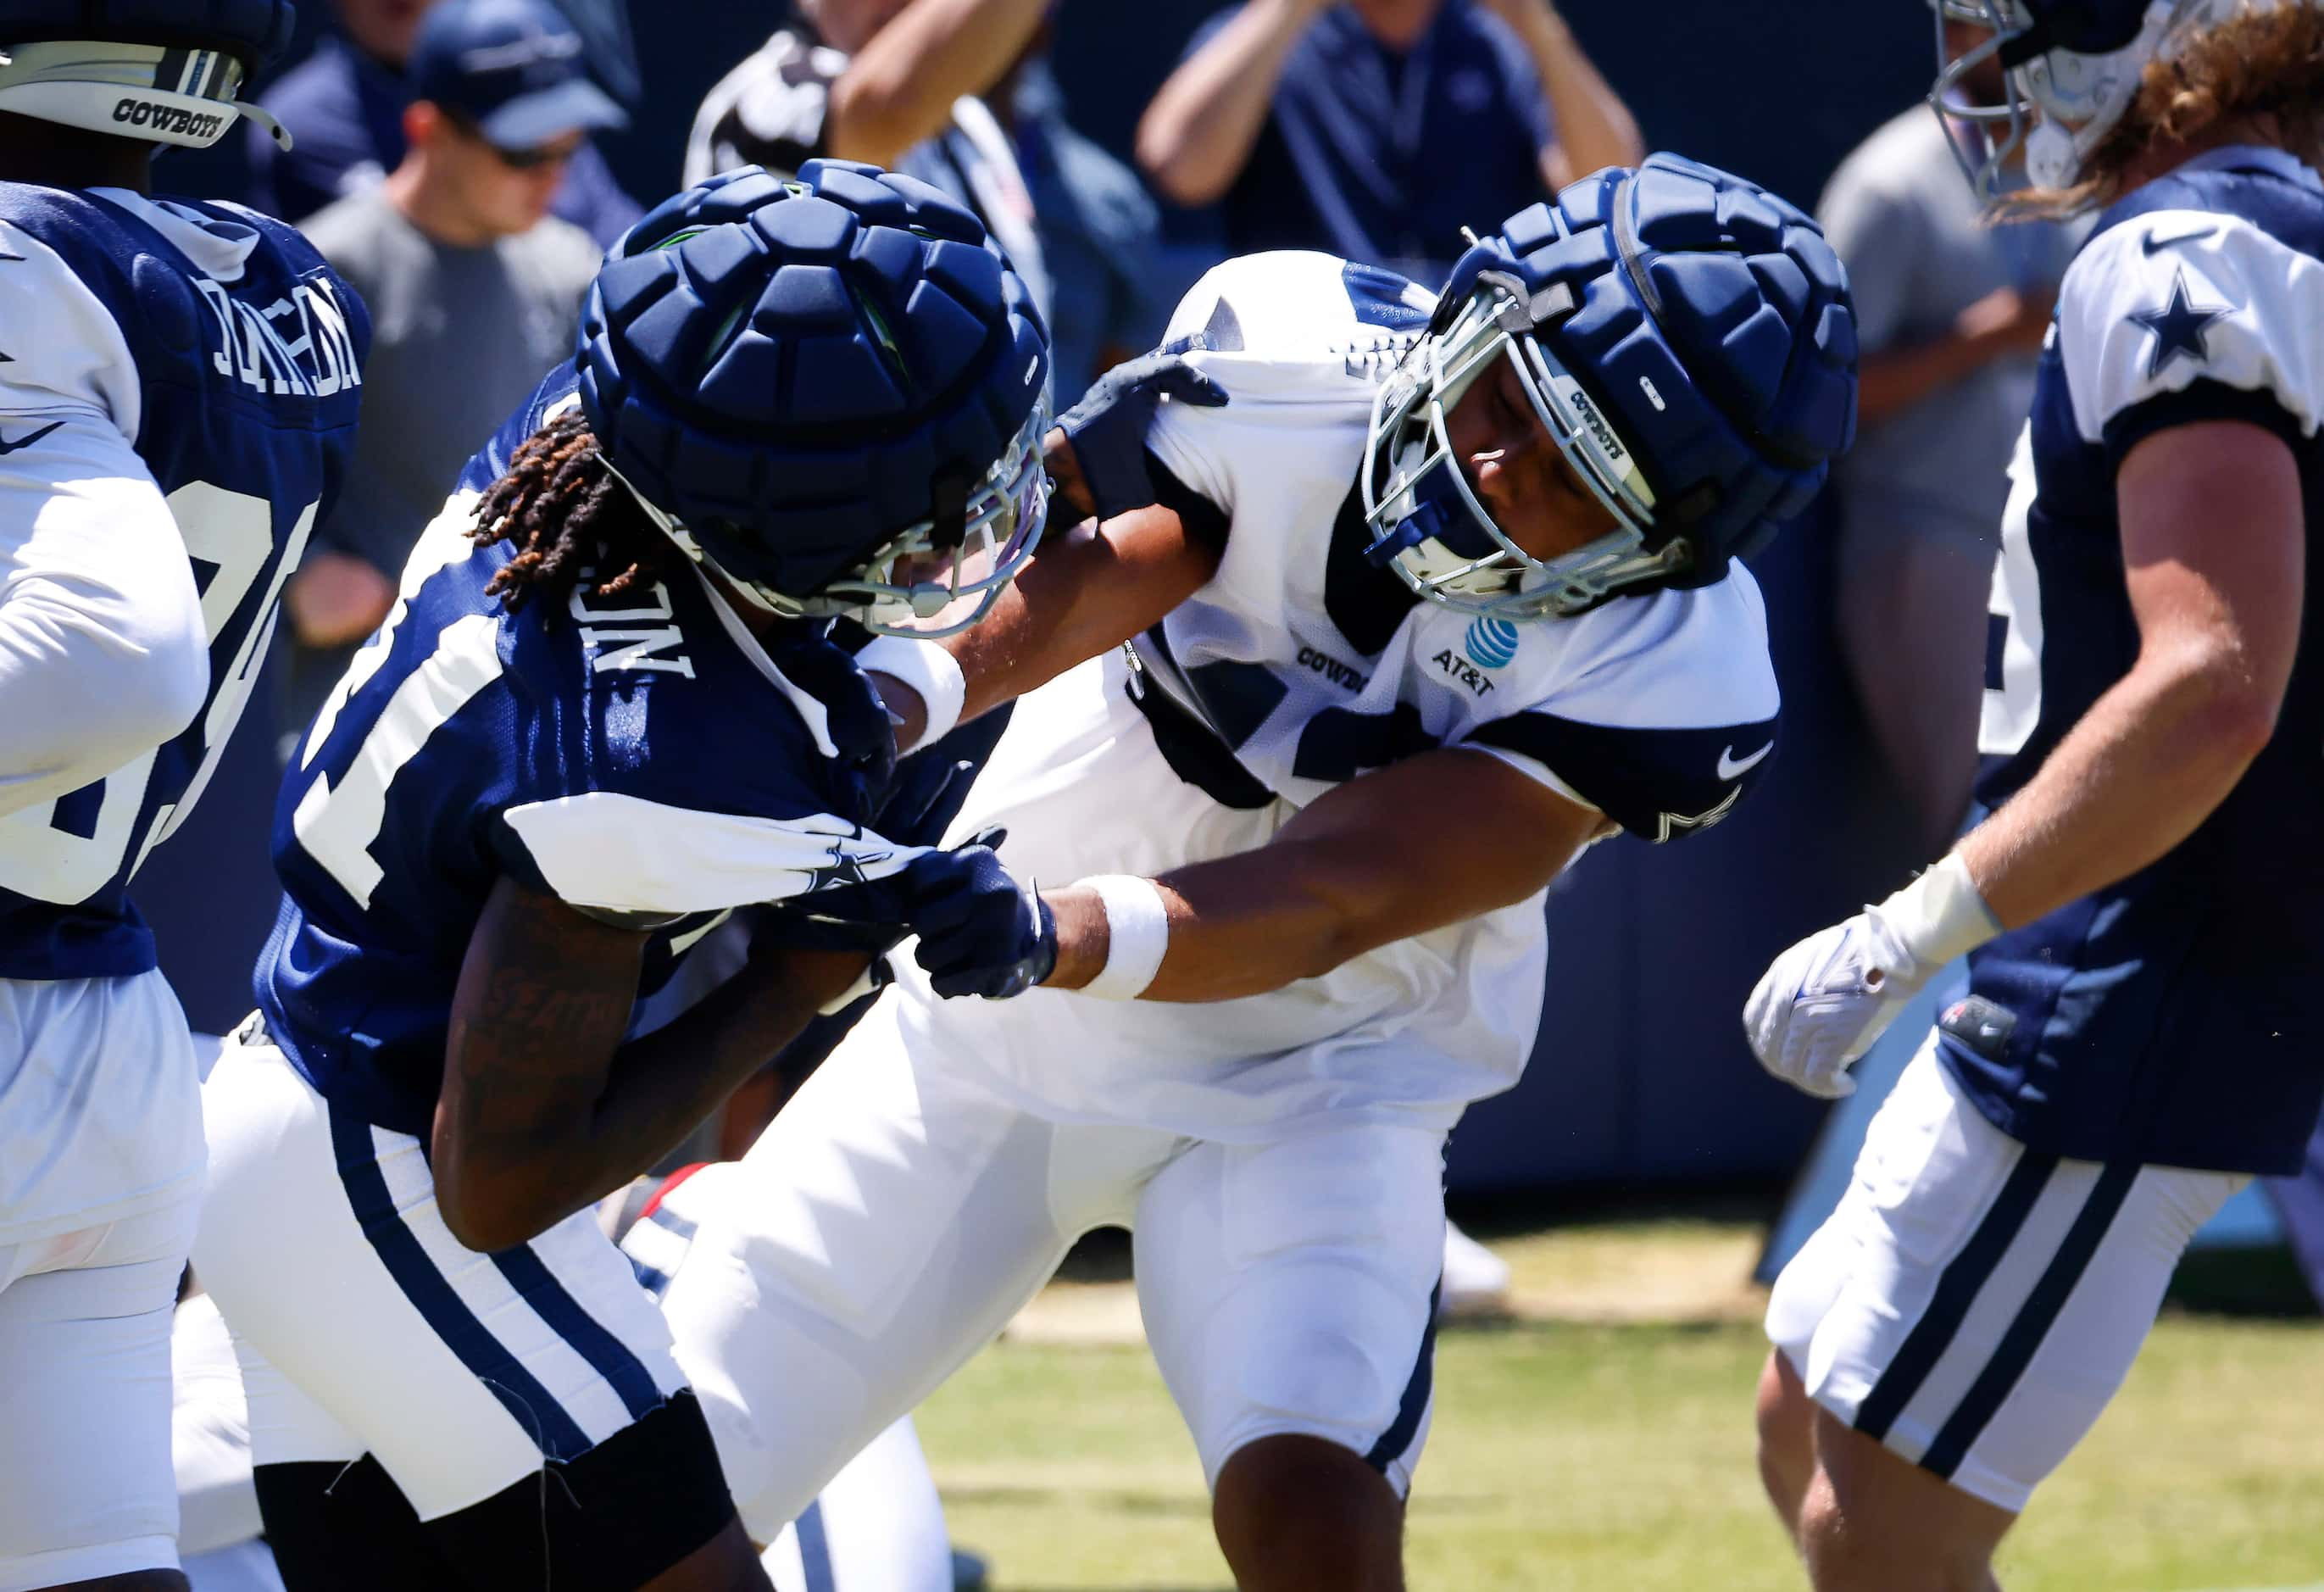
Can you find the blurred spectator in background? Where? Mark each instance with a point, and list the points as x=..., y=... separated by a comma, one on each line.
x=343, y=105
x=957, y=93
x=474, y=289
x=1950, y=311
x=1376, y=129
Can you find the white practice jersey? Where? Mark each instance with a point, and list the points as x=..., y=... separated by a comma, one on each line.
x=1298, y=666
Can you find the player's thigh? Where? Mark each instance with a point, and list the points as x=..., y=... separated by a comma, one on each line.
x=1289, y=1289
x=877, y=1527
x=85, y=1401
x=885, y=1226
x=1973, y=1304
x=100, y=1114
x=209, y=1442
x=464, y=1375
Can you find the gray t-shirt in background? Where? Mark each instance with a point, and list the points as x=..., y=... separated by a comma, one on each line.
x=1919, y=252
x=459, y=337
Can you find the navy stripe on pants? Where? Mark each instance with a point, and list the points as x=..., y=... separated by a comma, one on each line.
x=399, y=1248
x=1398, y=1436
x=2015, y=1351
x=607, y=1355
x=1957, y=1289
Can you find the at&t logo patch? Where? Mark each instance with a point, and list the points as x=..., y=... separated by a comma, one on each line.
x=1491, y=643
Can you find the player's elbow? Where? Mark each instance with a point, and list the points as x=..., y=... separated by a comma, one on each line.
x=489, y=1204
x=106, y=696
x=2227, y=707
x=2240, y=721
x=875, y=116
x=485, y=1214
x=174, y=683
x=1173, y=160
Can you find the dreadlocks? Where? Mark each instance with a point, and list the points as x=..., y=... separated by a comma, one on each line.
x=565, y=513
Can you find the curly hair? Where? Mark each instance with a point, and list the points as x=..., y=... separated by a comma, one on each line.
x=568, y=515
x=2255, y=64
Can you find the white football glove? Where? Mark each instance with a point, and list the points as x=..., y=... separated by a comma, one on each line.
x=1821, y=1004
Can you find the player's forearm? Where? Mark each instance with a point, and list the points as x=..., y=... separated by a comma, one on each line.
x=661, y=1086
x=2146, y=765
x=530, y=1129
x=104, y=652
x=1595, y=127
x=1197, y=134
x=78, y=702
x=1085, y=592
x=1242, y=926
x=1350, y=872
x=1896, y=379
x=899, y=89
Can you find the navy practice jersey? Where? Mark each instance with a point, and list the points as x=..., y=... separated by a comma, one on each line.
x=639, y=755
x=210, y=349
x=2172, y=1018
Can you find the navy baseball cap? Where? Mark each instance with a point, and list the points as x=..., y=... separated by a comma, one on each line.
x=515, y=68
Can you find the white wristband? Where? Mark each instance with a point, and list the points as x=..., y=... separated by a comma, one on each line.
x=928, y=670
x=1138, y=933
x=1940, y=915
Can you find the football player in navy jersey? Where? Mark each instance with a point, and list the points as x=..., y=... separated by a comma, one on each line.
x=2142, y=898
x=608, y=710
x=179, y=384
x=1445, y=591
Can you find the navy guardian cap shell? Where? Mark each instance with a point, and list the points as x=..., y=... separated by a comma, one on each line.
x=799, y=373
x=1686, y=337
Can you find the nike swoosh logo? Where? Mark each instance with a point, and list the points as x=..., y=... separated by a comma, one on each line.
x=2154, y=245
x=1729, y=769
x=28, y=439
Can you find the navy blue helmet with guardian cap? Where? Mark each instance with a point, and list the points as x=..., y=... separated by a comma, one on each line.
x=2077, y=62
x=166, y=71
x=832, y=389
x=1688, y=341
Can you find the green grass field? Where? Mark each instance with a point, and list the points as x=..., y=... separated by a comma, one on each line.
x=1588, y=1454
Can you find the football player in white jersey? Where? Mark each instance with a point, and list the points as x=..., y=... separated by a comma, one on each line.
x=178, y=389
x=2141, y=900
x=1443, y=595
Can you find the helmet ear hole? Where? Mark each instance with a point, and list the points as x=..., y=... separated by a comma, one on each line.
x=948, y=526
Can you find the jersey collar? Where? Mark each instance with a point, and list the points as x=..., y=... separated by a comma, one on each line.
x=812, y=712
x=219, y=248
x=2248, y=157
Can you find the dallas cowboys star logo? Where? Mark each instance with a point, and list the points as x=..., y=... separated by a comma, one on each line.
x=844, y=869
x=1672, y=823
x=2180, y=328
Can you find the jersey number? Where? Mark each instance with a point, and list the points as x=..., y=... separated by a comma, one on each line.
x=337, y=823
x=2012, y=685
x=82, y=849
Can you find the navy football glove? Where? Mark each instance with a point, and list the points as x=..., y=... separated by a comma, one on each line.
x=1108, y=427
x=981, y=933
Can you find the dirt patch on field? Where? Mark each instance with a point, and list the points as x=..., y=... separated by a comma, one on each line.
x=1654, y=1273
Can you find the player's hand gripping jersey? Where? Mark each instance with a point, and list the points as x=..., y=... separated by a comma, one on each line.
x=2169, y=1019
x=185, y=374
x=1297, y=666
x=637, y=755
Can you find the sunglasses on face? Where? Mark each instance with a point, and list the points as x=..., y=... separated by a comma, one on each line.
x=515, y=160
